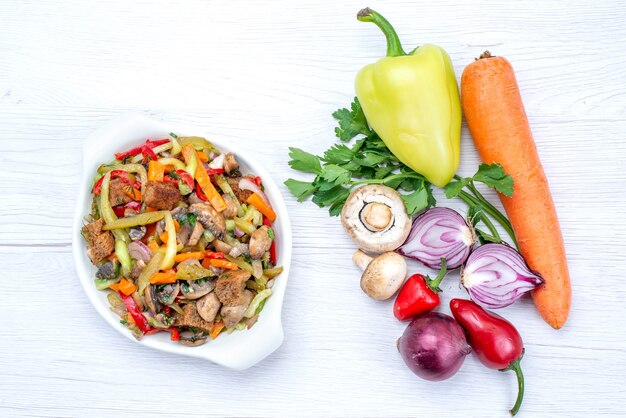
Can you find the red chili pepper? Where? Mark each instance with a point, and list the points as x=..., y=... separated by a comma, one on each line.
x=419, y=294
x=257, y=180
x=175, y=334
x=200, y=193
x=115, y=174
x=215, y=171
x=186, y=178
x=214, y=255
x=139, y=149
x=119, y=210
x=134, y=312
x=168, y=179
x=495, y=341
x=147, y=153
x=268, y=223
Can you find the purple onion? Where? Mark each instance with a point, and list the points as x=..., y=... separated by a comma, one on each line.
x=139, y=251
x=434, y=346
x=238, y=232
x=246, y=184
x=439, y=232
x=496, y=275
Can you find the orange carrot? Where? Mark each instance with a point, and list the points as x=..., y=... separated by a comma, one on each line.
x=203, y=179
x=219, y=263
x=203, y=157
x=133, y=193
x=216, y=329
x=496, y=118
x=163, y=278
x=126, y=287
x=155, y=171
x=198, y=255
x=256, y=201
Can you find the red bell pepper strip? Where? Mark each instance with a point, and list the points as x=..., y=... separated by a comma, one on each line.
x=186, y=178
x=215, y=171
x=268, y=223
x=418, y=295
x=134, y=312
x=256, y=180
x=214, y=255
x=147, y=153
x=168, y=179
x=138, y=149
x=495, y=341
x=115, y=174
x=119, y=210
x=134, y=205
x=200, y=193
x=175, y=334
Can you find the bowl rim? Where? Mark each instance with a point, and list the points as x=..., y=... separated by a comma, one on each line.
x=230, y=350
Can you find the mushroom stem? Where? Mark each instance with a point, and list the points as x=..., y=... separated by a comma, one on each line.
x=361, y=259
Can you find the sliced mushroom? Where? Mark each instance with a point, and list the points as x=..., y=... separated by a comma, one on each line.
x=192, y=338
x=150, y=297
x=209, y=218
x=231, y=315
x=208, y=306
x=193, y=198
x=195, y=289
x=196, y=233
x=221, y=246
x=231, y=207
x=260, y=242
x=137, y=232
x=375, y=218
x=166, y=294
x=382, y=275
x=183, y=234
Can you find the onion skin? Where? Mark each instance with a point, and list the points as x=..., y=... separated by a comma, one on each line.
x=496, y=275
x=434, y=346
x=439, y=233
x=139, y=251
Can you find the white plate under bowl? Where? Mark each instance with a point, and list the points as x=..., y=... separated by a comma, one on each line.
x=239, y=350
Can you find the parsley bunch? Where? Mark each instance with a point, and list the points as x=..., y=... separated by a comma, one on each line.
x=366, y=161
x=369, y=161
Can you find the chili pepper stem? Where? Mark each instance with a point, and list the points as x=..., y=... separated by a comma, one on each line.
x=394, y=47
x=517, y=368
x=434, y=283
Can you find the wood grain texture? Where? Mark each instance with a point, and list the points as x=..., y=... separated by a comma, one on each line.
x=268, y=74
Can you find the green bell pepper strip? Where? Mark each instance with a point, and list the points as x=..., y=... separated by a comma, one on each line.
x=141, y=219
x=256, y=302
x=148, y=271
x=170, y=252
x=121, y=251
x=107, y=212
x=412, y=102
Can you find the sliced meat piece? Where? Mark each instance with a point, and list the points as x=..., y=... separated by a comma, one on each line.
x=209, y=218
x=242, y=195
x=231, y=315
x=161, y=195
x=196, y=233
x=231, y=208
x=117, y=196
x=230, y=287
x=208, y=306
x=260, y=242
x=230, y=165
x=101, y=243
x=191, y=319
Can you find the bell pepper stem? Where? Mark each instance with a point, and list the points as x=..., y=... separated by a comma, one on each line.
x=394, y=47
x=517, y=368
x=434, y=283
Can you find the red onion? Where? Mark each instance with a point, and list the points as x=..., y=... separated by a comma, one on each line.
x=218, y=162
x=247, y=184
x=139, y=251
x=439, y=232
x=496, y=275
x=434, y=346
x=238, y=232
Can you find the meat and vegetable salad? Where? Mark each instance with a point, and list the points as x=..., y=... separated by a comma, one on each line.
x=182, y=240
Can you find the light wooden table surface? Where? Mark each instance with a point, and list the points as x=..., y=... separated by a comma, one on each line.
x=268, y=75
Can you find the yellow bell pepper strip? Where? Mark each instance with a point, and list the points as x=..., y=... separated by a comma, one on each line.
x=219, y=263
x=125, y=286
x=178, y=164
x=170, y=252
x=256, y=201
x=148, y=271
x=197, y=142
x=220, y=180
x=198, y=255
x=204, y=181
x=141, y=219
x=191, y=159
x=133, y=193
x=163, y=278
x=155, y=171
x=412, y=102
x=216, y=329
x=107, y=211
x=203, y=157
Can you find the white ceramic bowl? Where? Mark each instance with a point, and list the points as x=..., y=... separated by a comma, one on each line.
x=239, y=350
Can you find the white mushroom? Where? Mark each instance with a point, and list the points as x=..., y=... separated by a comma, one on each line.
x=375, y=218
x=382, y=275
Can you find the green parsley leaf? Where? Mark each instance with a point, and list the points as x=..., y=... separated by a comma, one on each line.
x=493, y=175
x=270, y=232
x=300, y=189
x=454, y=188
x=351, y=122
x=329, y=197
x=416, y=202
x=338, y=154
x=304, y=161
x=335, y=174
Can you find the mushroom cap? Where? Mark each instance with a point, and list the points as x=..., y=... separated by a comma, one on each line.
x=384, y=276
x=375, y=217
